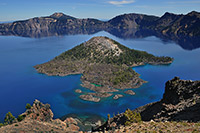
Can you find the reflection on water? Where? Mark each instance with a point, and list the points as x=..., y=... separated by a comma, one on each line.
x=187, y=43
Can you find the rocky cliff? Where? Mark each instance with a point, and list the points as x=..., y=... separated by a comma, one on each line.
x=39, y=118
x=180, y=102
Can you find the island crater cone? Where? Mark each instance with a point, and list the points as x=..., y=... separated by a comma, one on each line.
x=105, y=66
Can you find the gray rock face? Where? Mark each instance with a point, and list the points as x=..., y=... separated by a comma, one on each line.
x=177, y=90
x=181, y=101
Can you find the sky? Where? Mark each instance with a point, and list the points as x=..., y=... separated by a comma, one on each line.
x=11, y=10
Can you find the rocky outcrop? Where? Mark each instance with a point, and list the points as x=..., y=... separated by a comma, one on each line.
x=180, y=102
x=39, y=112
x=39, y=118
x=157, y=127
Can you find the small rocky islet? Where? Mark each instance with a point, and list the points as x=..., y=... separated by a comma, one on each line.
x=105, y=65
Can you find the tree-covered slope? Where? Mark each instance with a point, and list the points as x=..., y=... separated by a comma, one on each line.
x=104, y=63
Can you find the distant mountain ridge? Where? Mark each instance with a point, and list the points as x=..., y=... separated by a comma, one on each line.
x=183, y=29
x=169, y=24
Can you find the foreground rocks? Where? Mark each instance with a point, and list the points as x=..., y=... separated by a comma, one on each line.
x=39, y=118
x=180, y=102
x=158, y=127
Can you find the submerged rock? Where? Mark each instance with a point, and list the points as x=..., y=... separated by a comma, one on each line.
x=89, y=97
x=117, y=96
x=130, y=92
x=78, y=91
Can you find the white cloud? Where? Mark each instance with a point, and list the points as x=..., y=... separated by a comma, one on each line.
x=119, y=3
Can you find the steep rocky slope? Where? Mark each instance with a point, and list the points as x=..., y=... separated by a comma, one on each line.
x=39, y=118
x=184, y=25
x=105, y=65
x=131, y=21
x=180, y=102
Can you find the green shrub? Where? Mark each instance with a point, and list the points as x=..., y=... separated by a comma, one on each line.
x=16, y=125
x=1, y=124
x=28, y=106
x=9, y=118
x=20, y=117
x=132, y=117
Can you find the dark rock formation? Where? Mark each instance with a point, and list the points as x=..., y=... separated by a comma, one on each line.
x=180, y=102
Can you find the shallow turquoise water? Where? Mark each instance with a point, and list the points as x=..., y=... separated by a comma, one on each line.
x=21, y=84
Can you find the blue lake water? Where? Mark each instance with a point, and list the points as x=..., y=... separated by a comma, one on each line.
x=21, y=84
